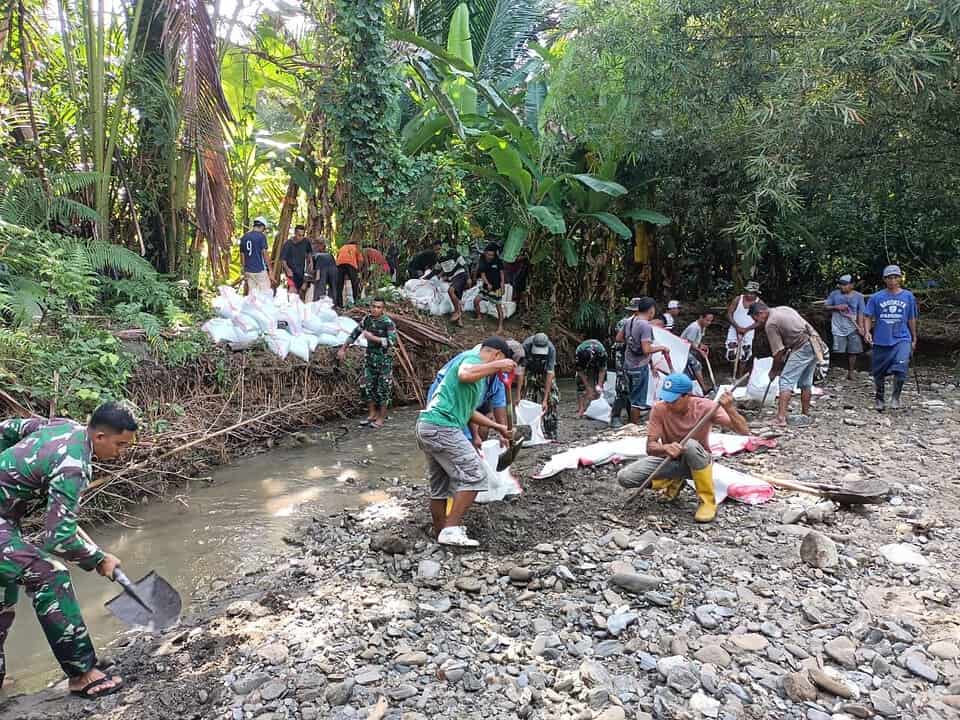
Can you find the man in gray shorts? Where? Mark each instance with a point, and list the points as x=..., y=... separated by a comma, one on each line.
x=453, y=466
x=795, y=357
x=847, y=309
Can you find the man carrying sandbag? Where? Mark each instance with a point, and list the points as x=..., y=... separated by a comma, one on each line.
x=671, y=419
x=381, y=336
x=590, y=363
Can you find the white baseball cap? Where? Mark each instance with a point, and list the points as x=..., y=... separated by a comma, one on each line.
x=673, y=305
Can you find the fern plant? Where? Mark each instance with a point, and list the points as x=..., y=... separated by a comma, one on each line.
x=25, y=202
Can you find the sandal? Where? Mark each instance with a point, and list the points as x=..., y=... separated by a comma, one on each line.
x=376, y=425
x=86, y=691
x=364, y=423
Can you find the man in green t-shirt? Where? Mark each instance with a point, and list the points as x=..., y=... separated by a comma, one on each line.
x=453, y=466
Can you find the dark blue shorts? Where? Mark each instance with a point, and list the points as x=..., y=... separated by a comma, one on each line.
x=891, y=360
x=638, y=381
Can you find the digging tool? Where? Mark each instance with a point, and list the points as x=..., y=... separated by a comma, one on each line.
x=706, y=358
x=770, y=382
x=708, y=417
x=853, y=492
x=149, y=602
x=506, y=459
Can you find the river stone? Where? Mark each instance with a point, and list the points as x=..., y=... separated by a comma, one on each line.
x=593, y=674
x=918, y=665
x=468, y=584
x=819, y=551
x=389, y=542
x=273, y=689
x=520, y=574
x=903, y=554
x=428, y=569
x=754, y=642
x=403, y=692
x=412, y=659
x=273, y=653
x=714, y=655
x=248, y=684
x=842, y=650
x=705, y=705
x=682, y=681
x=944, y=649
x=798, y=687
x=616, y=624
x=369, y=677
x=830, y=684
x=612, y=713
x=883, y=704
x=636, y=582
x=339, y=693
x=856, y=710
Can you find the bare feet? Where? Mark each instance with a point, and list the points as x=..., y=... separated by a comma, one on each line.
x=781, y=422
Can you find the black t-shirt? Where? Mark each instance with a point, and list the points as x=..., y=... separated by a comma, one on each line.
x=423, y=261
x=491, y=269
x=295, y=255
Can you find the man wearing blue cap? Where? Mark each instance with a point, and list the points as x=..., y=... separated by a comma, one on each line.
x=891, y=325
x=677, y=413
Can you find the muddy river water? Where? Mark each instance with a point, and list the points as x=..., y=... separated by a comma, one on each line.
x=219, y=528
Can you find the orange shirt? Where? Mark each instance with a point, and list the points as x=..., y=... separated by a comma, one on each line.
x=350, y=255
x=375, y=257
x=668, y=426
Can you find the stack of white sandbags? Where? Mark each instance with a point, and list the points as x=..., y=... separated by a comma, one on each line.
x=287, y=325
x=431, y=296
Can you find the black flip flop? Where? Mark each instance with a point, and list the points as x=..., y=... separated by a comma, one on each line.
x=84, y=692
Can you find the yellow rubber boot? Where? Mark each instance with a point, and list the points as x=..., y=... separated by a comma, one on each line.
x=670, y=487
x=703, y=479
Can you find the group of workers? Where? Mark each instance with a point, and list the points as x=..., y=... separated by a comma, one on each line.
x=310, y=268
x=50, y=461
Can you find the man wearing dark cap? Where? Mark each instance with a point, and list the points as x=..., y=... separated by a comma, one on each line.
x=671, y=419
x=891, y=325
x=846, y=308
x=453, y=466
x=538, y=381
x=637, y=336
x=796, y=352
x=490, y=275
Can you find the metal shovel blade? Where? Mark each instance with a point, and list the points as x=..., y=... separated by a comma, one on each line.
x=157, y=594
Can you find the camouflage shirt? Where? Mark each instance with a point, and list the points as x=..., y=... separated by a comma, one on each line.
x=381, y=327
x=48, y=460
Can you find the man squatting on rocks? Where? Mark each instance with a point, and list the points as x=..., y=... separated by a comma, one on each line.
x=891, y=325
x=590, y=362
x=670, y=420
x=454, y=468
x=50, y=461
x=381, y=335
x=795, y=359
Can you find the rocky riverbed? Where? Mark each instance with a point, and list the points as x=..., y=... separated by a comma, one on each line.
x=577, y=606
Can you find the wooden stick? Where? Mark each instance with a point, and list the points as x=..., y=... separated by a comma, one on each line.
x=56, y=392
x=408, y=367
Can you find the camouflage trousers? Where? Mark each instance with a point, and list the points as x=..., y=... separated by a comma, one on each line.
x=378, y=379
x=533, y=388
x=47, y=583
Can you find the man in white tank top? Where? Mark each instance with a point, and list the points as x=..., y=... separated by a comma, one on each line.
x=742, y=326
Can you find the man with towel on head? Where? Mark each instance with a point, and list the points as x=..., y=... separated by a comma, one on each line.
x=740, y=333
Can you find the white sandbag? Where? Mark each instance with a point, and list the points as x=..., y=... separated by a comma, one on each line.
x=320, y=310
x=300, y=347
x=659, y=369
x=422, y=294
x=600, y=410
x=225, y=307
x=757, y=384
x=610, y=388
x=312, y=341
x=220, y=330
x=263, y=321
x=278, y=341
x=319, y=326
x=245, y=323
x=245, y=340
x=291, y=318
x=530, y=413
x=328, y=340
x=499, y=484
x=346, y=324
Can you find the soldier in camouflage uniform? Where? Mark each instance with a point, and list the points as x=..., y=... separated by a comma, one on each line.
x=50, y=461
x=381, y=335
x=622, y=402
